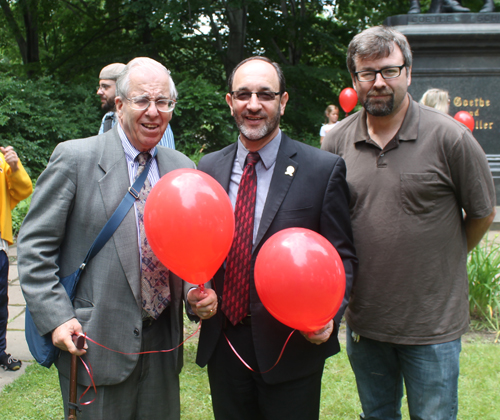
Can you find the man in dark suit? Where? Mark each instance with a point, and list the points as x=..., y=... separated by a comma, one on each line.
x=297, y=186
x=122, y=301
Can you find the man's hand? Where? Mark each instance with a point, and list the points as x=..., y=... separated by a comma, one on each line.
x=203, y=303
x=10, y=157
x=320, y=336
x=62, y=337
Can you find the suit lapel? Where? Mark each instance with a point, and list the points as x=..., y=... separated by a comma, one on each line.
x=280, y=184
x=222, y=169
x=113, y=186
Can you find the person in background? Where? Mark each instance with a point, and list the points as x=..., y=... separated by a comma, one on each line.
x=15, y=185
x=437, y=98
x=422, y=196
x=107, y=91
x=331, y=118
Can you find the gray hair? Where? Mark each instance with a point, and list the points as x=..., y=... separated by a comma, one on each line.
x=436, y=98
x=123, y=82
x=377, y=42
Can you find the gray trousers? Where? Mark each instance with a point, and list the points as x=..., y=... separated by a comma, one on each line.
x=150, y=392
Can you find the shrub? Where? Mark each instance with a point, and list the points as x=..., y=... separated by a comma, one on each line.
x=18, y=215
x=35, y=115
x=483, y=268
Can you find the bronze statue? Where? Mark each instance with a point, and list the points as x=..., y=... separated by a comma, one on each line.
x=450, y=6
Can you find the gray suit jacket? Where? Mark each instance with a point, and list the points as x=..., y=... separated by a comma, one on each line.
x=79, y=190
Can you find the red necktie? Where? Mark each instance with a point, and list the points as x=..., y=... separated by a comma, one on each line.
x=237, y=279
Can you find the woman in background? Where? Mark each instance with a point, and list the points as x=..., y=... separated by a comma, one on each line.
x=437, y=98
x=332, y=116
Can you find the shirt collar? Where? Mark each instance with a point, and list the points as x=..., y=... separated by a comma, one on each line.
x=130, y=151
x=267, y=154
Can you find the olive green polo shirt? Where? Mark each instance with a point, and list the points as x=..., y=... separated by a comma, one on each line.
x=406, y=209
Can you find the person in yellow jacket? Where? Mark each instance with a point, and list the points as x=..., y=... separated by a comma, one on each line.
x=15, y=185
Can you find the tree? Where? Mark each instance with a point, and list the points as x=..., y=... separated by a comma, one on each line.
x=63, y=45
x=28, y=43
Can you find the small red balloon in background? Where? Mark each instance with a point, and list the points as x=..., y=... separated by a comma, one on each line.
x=465, y=118
x=348, y=99
x=300, y=278
x=189, y=223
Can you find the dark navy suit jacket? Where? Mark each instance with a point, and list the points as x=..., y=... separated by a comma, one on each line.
x=316, y=197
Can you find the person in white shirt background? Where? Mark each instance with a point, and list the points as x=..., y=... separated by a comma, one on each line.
x=331, y=118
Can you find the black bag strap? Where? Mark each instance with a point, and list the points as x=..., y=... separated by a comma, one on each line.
x=114, y=221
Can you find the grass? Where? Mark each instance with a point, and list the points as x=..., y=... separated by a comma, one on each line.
x=483, y=268
x=35, y=395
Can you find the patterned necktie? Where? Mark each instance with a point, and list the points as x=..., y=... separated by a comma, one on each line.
x=155, y=290
x=235, y=298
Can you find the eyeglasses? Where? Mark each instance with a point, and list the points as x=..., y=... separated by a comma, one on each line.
x=245, y=95
x=103, y=87
x=387, y=73
x=162, y=105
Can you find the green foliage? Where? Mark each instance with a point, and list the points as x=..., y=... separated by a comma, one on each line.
x=37, y=114
x=202, y=121
x=199, y=41
x=483, y=268
x=18, y=215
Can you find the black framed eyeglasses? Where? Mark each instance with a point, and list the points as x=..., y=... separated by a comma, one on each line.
x=245, y=95
x=387, y=73
x=141, y=104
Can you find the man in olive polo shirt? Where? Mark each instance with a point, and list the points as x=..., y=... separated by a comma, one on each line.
x=422, y=196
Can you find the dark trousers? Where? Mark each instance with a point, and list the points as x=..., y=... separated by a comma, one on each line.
x=4, y=299
x=240, y=394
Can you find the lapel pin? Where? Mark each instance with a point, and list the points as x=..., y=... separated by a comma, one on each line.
x=290, y=170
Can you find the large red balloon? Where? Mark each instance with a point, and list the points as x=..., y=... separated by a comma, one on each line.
x=465, y=118
x=189, y=223
x=348, y=99
x=300, y=278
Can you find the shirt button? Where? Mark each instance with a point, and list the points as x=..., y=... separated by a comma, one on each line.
x=136, y=332
x=382, y=154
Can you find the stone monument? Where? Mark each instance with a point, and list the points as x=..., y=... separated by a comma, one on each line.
x=460, y=53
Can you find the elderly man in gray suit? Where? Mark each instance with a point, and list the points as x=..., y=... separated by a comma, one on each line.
x=126, y=299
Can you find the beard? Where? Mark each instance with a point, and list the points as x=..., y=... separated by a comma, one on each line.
x=379, y=107
x=109, y=105
x=255, y=134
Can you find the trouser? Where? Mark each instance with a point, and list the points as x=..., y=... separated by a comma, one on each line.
x=4, y=299
x=430, y=374
x=150, y=392
x=240, y=394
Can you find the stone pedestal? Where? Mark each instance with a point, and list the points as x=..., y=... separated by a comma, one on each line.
x=460, y=53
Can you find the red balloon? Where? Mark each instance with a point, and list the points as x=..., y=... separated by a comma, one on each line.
x=189, y=223
x=300, y=278
x=348, y=99
x=465, y=118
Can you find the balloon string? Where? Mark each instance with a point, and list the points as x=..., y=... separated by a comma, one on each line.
x=248, y=366
x=90, y=372
x=142, y=352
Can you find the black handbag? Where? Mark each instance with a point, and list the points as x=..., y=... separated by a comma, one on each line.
x=40, y=346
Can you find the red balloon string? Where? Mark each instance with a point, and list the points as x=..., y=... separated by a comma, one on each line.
x=90, y=372
x=248, y=366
